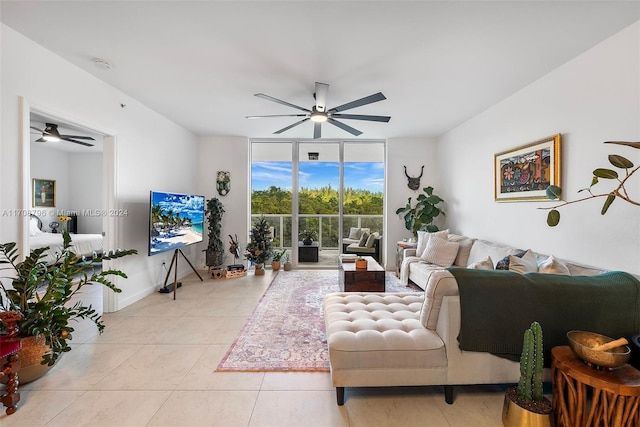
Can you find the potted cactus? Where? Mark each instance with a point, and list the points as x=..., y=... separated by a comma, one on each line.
x=525, y=404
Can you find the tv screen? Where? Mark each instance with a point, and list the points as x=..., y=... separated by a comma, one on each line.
x=175, y=220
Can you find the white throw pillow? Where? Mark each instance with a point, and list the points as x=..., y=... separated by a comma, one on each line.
x=483, y=264
x=33, y=227
x=440, y=252
x=423, y=238
x=553, y=266
x=525, y=264
x=372, y=239
x=354, y=233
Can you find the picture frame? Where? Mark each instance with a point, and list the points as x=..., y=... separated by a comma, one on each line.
x=523, y=173
x=44, y=193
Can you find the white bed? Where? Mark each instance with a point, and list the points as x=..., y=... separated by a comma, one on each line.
x=82, y=244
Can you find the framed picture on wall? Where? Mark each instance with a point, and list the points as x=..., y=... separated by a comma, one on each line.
x=44, y=193
x=525, y=172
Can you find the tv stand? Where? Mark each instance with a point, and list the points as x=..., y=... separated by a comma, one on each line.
x=174, y=264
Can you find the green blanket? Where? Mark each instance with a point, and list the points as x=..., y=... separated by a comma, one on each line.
x=497, y=306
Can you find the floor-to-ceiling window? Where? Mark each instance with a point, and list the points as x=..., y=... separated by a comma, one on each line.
x=321, y=186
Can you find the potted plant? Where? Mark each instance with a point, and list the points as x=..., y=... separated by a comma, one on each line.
x=259, y=248
x=275, y=261
x=287, y=263
x=361, y=263
x=41, y=293
x=215, y=249
x=421, y=216
x=525, y=404
x=308, y=236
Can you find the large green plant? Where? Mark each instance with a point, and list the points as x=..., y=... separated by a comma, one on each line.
x=618, y=192
x=42, y=292
x=215, y=249
x=421, y=216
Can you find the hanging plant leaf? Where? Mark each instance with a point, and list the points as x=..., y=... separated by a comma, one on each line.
x=610, y=198
x=620, y=162
x=605, y=173
x=553, y=218
x=627, y=143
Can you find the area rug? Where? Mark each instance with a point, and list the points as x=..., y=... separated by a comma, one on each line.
x=286, y=330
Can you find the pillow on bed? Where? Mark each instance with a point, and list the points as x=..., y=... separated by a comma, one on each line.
x=33, y=227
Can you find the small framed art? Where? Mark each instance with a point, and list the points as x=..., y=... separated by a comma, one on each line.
x=524, y=172
x=44, y=193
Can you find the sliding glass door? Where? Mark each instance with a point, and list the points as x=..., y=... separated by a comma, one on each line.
x=318, y=189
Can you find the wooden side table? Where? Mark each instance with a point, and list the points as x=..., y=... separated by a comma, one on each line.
x=400, y=247
x=584, y=396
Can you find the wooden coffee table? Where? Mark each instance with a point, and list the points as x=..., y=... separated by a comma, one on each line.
x=356, y=280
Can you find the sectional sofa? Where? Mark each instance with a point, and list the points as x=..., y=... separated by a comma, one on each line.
x=410, y=339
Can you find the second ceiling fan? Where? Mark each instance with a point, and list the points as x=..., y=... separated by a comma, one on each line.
x=319, y=113
x=51, y=134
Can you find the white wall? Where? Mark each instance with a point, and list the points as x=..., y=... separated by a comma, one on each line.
x=226, y=154
x=591, y=99
x=86, y=190
x=152, y=152
x=412, y=153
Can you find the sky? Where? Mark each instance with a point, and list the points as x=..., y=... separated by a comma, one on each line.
x=358, y=175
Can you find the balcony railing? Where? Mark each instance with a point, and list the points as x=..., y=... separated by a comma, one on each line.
x=325, y=225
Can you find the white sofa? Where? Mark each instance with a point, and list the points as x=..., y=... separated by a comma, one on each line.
x=406, y=339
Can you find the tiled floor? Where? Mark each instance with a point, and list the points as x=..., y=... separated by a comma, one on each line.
x=154, y=366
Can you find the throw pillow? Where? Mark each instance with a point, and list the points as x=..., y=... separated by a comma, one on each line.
x=440, y=252
x=371, y=240
x=483, y=264
x=423, y=238
x=354, y=233
x=553, y=266
x=363, y=239
x=503, y=264
x=33, y=227
x=464, y=250
x=525, y=264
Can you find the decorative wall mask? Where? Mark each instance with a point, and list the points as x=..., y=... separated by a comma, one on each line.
x=223, y=183
x=414, y=183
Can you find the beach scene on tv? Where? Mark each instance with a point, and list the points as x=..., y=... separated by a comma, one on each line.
x=176, y=221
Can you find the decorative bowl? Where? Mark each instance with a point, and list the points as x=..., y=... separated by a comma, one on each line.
x=582, y=343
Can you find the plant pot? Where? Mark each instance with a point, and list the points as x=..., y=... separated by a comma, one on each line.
x=287, y=266
x=275, y=265
x=30, y=356
x=307, y=241
x=361, y=264
x=259, y=270
x=514, y=415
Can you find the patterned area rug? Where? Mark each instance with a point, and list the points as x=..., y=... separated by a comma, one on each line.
x=286, y=330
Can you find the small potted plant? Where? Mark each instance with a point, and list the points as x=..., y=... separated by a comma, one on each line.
x=275, y=261
x=525, y=404
x=308, y=236
x=361, y=263
x=287, y=263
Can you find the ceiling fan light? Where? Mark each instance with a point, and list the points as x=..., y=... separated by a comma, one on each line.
x=318, y=117
x=50, y=138
x=51, y=133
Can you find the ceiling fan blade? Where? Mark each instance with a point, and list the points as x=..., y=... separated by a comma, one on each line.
x=317, y=130
x=277, y=115
x=342, y=126
x=279, y=101
x=290, y=126
x=76, y=137
x=359, y=102
x=322, y=89
x=35, y=128
x=77, y=142
x=40, y=140
x=362, y=117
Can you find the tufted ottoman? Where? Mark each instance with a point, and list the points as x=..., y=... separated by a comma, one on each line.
x=377, y=339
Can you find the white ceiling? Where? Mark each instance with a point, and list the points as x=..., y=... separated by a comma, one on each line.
x=438, y=63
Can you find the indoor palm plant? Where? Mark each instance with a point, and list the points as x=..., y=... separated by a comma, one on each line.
x=42, y=293
x=421, y=216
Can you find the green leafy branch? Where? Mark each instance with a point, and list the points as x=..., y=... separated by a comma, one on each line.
x=619, y=192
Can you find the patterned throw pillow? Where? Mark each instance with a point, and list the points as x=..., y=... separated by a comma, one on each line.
x=503, y=264
x=440, y=252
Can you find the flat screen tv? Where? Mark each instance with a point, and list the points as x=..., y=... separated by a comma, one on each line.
x=175, y=221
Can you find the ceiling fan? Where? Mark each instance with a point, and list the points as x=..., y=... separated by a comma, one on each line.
x=50, y=134
x=319, y=113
